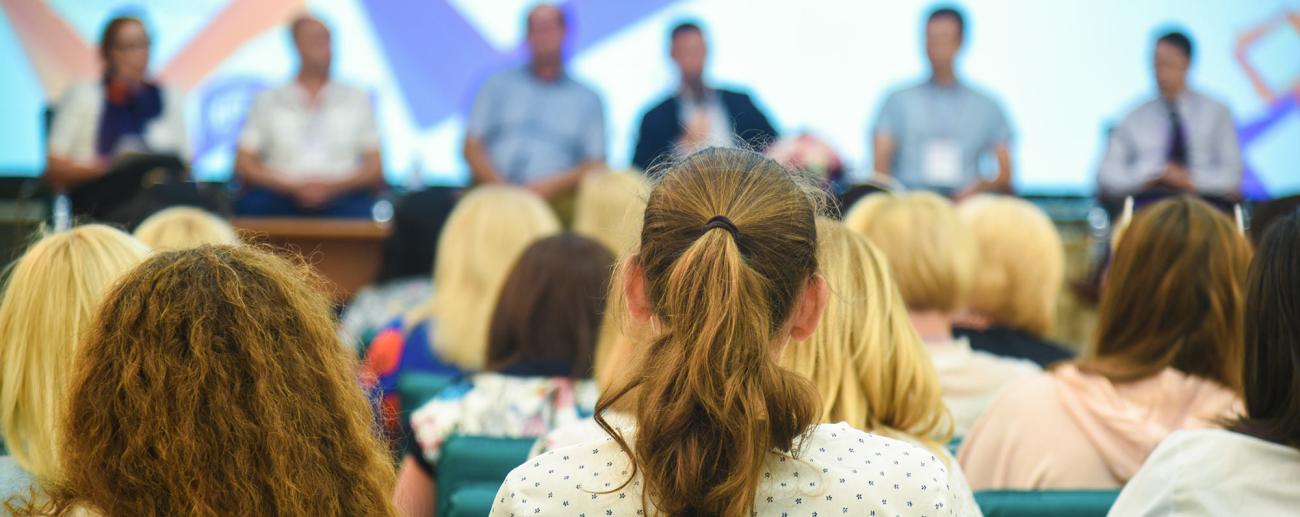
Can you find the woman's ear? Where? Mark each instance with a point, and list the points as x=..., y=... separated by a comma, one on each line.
x=638, y=301
x=809, y=310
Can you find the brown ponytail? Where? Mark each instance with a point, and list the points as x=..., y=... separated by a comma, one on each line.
x=712, y=402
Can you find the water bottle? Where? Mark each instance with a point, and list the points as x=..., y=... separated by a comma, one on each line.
x=62, y=215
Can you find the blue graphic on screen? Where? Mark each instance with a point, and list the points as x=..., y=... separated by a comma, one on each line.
x=1065, y=72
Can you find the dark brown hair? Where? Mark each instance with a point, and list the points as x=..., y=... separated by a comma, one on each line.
x=1271, y=373
x=108, y=38
x=213, y=383
x=551, y=307
x=1173, y=296
x=712, y=404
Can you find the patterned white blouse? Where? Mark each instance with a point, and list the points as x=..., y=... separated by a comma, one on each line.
x=507, y=406
x=840, y=471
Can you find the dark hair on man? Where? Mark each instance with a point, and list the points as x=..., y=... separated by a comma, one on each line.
x=1271, y=369
x=684, y=27
x=1179, y=40
x=950, y=12
x=551, y=308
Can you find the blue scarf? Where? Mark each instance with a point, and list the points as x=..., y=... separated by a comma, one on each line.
x=126, y=114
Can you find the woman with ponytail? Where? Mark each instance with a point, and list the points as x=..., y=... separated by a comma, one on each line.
x=726, y=277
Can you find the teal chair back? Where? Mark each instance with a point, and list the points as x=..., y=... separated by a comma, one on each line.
x=472, y=468
x=1056, y=503
x=414, y=389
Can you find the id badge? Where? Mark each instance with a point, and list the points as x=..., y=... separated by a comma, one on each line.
x=941, y=163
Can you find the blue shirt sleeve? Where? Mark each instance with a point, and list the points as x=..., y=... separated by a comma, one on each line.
x=593, y=138
x=889, y=120
x=484, y=110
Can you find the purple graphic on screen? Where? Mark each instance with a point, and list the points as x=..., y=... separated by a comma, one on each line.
x=439, y=58
x=1251, y=186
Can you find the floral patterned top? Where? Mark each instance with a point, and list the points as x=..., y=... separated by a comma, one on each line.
x=501, y=405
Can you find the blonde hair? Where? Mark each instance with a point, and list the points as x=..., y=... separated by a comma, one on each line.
x=484, y=236
x=1021, y=262
x=183, y=227
x=865, y=357
x=51, y=296
x=930, y=251
x=609, y=208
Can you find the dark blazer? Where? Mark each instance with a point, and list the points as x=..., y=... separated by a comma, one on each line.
x=661, y=127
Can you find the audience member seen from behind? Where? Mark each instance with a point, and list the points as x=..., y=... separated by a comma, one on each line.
x=123, y=112
x=1247, y=469
x=447, y=335
x=866, y=359
x=610, y=207
x=1166, y=355
x=935, y=135
x=50, y=297
x=933, y=258
x=184, y=227
x=1180, y=141
x=309, y=147
x=726, y=275
x=538, y=366
x=697, y=115
x=534, y=125
x=1012, y=304
x=213, y=383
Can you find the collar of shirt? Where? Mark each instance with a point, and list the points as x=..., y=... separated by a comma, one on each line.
x=306, y=101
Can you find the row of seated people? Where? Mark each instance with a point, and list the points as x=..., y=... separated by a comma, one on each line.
x=312, y=146
x=737, y=320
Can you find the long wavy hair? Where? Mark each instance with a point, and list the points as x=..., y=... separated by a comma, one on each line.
x=712, y=404
x=48, y=302
x=1174, y=297
x=213, y=383
x=866, y=359
x=484, y=236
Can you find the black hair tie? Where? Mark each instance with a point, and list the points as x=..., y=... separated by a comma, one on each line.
x=721, y=221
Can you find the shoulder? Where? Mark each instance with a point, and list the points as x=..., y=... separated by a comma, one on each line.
x=583, y=90
x=350, y=93
x=982, y=96
x=1212, y=104
x=841, y=443
x=588, y=476
x=82, y=95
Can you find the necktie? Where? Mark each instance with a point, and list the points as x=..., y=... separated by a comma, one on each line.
x=1177, y=154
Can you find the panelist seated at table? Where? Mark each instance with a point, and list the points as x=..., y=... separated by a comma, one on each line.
x=121, y=114
x=1180, y=141
x=698, y=115
x=534, y=125
x=935, y=135
x=309, y=147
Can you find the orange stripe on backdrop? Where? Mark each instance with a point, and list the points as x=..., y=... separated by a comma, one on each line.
x=58, y=54
x=239, y=22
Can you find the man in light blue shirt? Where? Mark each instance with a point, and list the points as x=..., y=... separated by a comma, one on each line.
x=1179, y=141
x=535, y=126
x=934, y=135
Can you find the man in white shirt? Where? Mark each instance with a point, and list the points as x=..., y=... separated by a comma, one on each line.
x=1181, y=141
x=309, y=147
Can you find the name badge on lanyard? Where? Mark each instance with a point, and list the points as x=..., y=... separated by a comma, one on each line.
x=941, y=161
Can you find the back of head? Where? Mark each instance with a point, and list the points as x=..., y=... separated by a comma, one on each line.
x=551, y=309
x=184, y=227
x=1021, y=262
x=213, y=383
x=931, y=253
x=712, y=402
x=1173, y=296
x=484, y=236
x=610, y=207
x=865, y=357
x=1271, y=374
x=49, y=299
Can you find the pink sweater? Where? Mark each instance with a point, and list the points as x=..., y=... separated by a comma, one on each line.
x=1069, y=429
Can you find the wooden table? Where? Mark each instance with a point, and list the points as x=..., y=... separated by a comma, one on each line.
x=346, y=252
